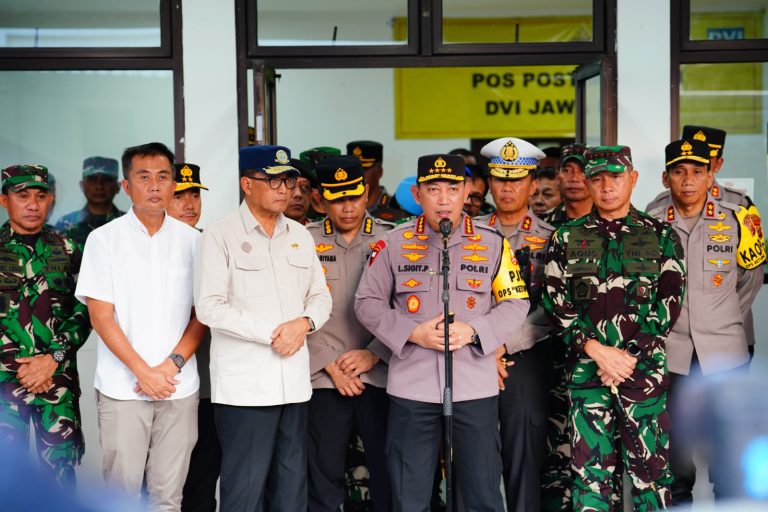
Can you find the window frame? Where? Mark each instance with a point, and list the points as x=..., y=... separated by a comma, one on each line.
x=168, y=56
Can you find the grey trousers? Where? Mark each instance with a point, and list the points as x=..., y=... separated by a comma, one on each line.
x=148, y=438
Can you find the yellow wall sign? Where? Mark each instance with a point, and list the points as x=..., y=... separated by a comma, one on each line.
x=531, y=101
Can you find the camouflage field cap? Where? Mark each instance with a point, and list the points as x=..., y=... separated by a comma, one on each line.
x=368, y=151
x=313, y=155
x=607, y=158
x=341, y=176
x=686, y=151
x=187, y=177
x=18, y=177
x=573, y=151
x=100, y=165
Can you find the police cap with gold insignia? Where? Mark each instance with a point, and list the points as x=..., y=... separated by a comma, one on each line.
x=187, y=177
x=19, y=177
x=340, y=176
x=100, y=165
x=573, y=151
x=686, y=151
x=312, y=156
x=271, y=160
x=511, y=158
x=714, y=137
x=616, y=159
x=441, y=167
x=369, y=152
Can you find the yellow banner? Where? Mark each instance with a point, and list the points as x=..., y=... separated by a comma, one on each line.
x=489, y=102
x=728, y=96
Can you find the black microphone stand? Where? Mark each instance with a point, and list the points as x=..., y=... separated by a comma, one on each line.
x=445, y=230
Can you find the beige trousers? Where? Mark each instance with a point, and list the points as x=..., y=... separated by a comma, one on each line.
x=148, y=438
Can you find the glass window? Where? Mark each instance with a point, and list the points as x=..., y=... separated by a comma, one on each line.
x=79, y=23
x=732, y=97
x=592, y=111
x=500, y=21
x=60, y=118
x=715, y=20
x=331, y=22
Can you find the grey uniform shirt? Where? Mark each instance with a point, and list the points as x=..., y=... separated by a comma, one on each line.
x=536, y=235
x=401, y=288
x=343, y=265
x=719, y=294
x=246, y=284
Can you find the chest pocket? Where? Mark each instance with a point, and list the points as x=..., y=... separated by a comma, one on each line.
x=9, y=292
x=584, y=281
x=252, y=276
x=301, y=266
x=330, y=270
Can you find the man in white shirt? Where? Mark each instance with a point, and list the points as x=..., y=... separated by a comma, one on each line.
x=260, y=288
x=136, y=278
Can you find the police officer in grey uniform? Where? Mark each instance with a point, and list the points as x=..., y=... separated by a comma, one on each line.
x=400, y=301
x=715, y=140
x=724, y=252
x=523, y=361
x=349, y=371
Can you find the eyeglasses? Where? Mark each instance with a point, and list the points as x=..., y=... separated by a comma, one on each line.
x=476, y=199
x=275, y=182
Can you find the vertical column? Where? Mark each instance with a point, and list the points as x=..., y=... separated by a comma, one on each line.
x=643, y=66
x=210, y=101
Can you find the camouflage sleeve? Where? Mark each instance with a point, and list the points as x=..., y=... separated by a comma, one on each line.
x=73, y=330
x=557, y=301
x=653, y=328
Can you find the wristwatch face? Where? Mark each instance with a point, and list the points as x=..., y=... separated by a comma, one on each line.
x=178, y=360
x=58, y=356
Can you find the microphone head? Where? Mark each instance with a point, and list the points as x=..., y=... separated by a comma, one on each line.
x=446, y=226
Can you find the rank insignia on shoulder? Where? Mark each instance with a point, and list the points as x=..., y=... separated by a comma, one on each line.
x=323, y=247
x=526, y=225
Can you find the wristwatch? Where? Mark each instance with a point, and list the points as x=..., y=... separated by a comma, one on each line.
x=475, y=340
x=59, y=355
x=178, y=360
x=633, y=350
x=311, y=324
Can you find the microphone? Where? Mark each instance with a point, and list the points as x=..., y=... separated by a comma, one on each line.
x=445, y=227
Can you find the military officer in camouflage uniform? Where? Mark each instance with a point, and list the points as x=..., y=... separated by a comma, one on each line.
x=349, y=371
x=380, y=204
x=100, y=186
x=42, y=326
x=614, y=285
x=724, y=251
x=715, y=140
x=399, y=300
x=523, y=361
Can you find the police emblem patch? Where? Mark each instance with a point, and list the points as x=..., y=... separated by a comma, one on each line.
x=413, y=303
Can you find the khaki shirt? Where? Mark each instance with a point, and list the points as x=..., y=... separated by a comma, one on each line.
x=534, y=234
x=401, y=288
x=247, y=283
x=343, y=265
x=720, y=292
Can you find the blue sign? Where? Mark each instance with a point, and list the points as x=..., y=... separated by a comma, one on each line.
x=725, y=34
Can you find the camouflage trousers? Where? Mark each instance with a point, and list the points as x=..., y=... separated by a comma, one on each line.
x=556, y=468
x=598, y=452
x=58, y=436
